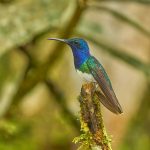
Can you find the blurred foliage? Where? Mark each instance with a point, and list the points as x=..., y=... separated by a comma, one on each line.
x=139, y=128
x=23, y=25
x=26, y=19
x=124, y=18
x=11, y=130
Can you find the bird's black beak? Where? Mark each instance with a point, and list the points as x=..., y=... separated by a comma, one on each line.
x=61, y=40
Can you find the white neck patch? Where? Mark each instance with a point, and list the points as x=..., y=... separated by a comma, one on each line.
x=85, y=76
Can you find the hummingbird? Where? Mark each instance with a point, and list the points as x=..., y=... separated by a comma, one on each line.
x=91, y=70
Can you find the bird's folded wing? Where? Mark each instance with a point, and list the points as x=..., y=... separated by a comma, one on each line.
x=99, y=74
x=105, y=102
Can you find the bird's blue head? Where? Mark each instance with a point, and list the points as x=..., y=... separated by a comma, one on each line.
x=79, y=48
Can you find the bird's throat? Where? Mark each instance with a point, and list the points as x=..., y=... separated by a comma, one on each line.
x=80, y=58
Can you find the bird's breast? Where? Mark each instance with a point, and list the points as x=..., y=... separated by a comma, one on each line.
x=85, y=76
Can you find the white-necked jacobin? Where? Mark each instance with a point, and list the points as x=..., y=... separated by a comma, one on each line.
x=92, y=71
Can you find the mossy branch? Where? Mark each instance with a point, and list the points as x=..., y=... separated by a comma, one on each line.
x=94, y=134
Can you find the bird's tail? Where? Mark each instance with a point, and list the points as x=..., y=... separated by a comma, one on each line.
x=112, y=107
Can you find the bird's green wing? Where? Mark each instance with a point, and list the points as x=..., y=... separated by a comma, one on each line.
x=109, y=99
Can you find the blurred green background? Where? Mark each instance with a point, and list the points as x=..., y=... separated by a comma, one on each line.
x=39, y=86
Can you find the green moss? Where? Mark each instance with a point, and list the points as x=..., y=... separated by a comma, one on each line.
x=84, y=139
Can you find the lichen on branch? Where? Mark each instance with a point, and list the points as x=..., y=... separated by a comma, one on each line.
x=94, y=134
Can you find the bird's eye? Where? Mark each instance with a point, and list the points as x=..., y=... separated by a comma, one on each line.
x=75, y=42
